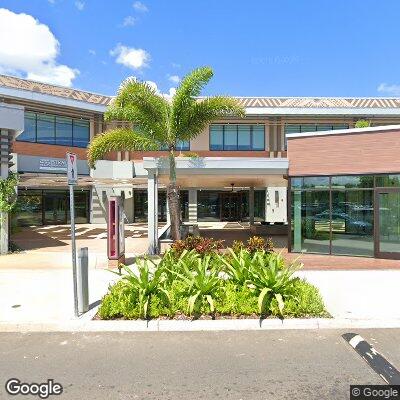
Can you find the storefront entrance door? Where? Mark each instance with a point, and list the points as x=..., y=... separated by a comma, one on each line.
x=387, y=223
x=55, y=208
x=230, y=203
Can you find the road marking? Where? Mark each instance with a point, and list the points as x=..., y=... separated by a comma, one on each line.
x=373, y=358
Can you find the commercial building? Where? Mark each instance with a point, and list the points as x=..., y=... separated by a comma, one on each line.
x=241, y=172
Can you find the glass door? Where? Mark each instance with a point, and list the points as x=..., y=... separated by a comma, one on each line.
x=55, y=208
x=230, y=206
x=387, y=213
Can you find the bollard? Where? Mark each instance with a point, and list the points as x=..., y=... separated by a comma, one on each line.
x=83, y=280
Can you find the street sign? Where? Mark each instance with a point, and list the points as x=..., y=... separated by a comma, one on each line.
x=72, y=175
x=72, y=169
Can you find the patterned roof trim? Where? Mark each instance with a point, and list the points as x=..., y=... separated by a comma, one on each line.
x=53, y=90
x=320, y=102
x=270, y=102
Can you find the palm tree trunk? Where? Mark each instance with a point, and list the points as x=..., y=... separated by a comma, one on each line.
x=173, y=198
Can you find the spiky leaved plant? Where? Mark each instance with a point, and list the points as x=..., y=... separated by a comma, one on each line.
x=163, y=123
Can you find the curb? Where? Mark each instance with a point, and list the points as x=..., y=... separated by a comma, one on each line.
x=85, y=325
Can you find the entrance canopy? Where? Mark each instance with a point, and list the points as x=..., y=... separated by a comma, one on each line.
x=221, y=172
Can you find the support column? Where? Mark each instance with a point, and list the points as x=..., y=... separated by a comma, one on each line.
x=4, y=153
x=152, y=211
x=296, y=198
x=192, y=205
x=251, y=205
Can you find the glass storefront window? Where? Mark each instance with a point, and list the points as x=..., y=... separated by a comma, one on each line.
x=316, y=182
x=50, y=207
x=347, y=212
x=184, y=202
x=353, y=181
x=353, y=222
x=311, y=221
x=208, y=205
x=29, y=208
x=388, y=180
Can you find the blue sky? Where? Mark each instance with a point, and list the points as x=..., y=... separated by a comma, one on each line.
x=256, y=48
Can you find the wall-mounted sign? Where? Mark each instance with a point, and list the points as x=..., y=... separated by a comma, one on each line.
x=72, y=168
x=51, y=164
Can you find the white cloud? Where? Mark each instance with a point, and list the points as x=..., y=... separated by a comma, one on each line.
x=392, y=90
x=139, y=6
x=175, y=65
x=80, y=5
x=152, y=84
x=130, y=57
x=33, y=50
x=129, y=21
x=92, y=52
x=174, y=79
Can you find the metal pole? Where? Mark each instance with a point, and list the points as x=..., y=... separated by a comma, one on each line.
x=83, y=283
x=72, y=213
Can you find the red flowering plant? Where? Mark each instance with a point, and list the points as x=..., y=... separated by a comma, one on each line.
x=202, y=245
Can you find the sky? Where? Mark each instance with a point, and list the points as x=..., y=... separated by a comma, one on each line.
x=256, y=48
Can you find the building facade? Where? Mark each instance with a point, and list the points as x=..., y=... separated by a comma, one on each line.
x=240, y=173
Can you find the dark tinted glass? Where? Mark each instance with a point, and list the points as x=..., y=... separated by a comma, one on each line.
x=359, y=181
x=45, y=129
x=80, y=133
x=64, y=131
x=29, y=133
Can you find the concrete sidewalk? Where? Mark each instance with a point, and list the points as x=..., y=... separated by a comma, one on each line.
x=46, y=296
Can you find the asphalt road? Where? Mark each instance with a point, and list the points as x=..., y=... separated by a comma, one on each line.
x=194, y=365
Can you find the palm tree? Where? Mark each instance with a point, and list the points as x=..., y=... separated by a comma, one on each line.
x=162, y=123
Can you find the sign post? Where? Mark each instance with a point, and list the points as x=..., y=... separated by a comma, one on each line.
x=72, y=175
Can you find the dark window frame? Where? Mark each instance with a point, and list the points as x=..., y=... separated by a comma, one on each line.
x=74, y=121
x=237, y=137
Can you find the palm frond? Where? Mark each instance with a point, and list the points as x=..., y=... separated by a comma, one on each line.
x=140, y=103
x=120, y=139
x=186, y=93
x=196, y=117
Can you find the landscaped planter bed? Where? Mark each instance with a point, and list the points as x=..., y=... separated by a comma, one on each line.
x=195, y=280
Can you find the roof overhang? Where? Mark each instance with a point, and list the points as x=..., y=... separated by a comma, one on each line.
x=219, y=165
x=50, y=99
x=317, y=111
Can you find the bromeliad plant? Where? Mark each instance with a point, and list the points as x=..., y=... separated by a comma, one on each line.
x=238, y=265
x=202, y=282
x=162, y=123
x=272, y=280
x=146, y=284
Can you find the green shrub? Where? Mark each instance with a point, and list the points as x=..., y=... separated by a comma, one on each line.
x=119, y=302
x=305, y=302
x=236, y=300
x=362, y=123
x=233, y=284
